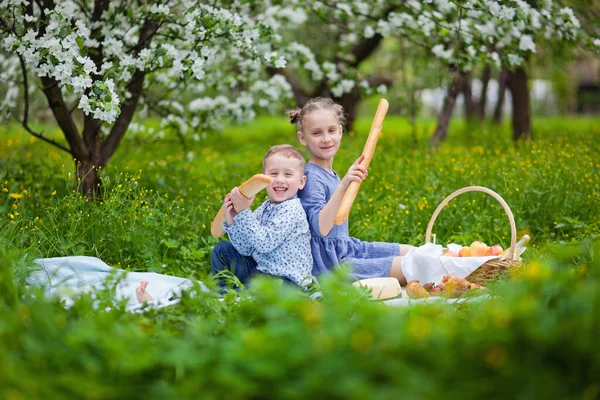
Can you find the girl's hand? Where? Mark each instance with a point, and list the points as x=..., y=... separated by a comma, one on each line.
x=229, y=210
x=356, y=173
x=240, y=202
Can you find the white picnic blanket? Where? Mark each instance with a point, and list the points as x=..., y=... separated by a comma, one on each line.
x=69, y=277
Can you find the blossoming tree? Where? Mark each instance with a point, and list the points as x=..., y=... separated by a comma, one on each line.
x=463, y=35
x=98, y=62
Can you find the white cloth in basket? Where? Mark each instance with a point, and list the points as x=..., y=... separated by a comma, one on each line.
x=426, y=264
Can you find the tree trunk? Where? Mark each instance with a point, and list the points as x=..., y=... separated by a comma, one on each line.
x=521, y=109
x=444, y=118
x=466, y=89
x=502, y=78
x=485, y=80
x=88, y=179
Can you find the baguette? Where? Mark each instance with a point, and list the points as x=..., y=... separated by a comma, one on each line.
x=414, y=290
x=249, y=188
x=369, y=149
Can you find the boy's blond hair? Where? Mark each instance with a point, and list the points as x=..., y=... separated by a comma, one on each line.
x=286, y=150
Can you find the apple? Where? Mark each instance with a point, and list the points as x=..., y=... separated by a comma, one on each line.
x=495, y=250
x=464, y=252
x=479, y=249
x=450, y=253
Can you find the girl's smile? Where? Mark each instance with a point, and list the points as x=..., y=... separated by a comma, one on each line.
x=321, y=134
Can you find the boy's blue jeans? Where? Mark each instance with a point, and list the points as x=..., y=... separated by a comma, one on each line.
x=226, y=258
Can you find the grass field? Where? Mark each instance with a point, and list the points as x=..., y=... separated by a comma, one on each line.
x=536, y=340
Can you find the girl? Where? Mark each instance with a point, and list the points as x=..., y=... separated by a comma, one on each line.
x=320, y=125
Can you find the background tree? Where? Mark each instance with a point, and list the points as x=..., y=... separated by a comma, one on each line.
x=99, y=62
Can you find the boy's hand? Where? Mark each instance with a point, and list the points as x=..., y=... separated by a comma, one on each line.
x=229, y=210
x=356, y=173
x=240, y=202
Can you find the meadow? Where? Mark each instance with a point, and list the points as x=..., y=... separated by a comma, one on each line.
x=534, y=339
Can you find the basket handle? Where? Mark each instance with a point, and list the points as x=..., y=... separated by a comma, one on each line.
x=511, y=219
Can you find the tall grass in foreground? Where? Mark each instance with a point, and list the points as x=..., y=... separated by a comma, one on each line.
x=536, y=339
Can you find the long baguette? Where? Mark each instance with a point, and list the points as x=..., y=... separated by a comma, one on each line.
x=369, y=149
x=249, y=188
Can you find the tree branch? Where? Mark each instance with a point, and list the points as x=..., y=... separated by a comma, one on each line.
x=25, y=122
x=363, y=50
x=63, y=117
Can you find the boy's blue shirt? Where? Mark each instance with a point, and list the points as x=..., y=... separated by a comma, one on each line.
x=277, y=236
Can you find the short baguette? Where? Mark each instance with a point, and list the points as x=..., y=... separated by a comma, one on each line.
x=369, y=149
x=249, y=188
x=414, y=290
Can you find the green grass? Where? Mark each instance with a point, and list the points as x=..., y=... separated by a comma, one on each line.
x=536, y=340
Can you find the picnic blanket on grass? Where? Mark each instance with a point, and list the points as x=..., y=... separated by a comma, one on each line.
x=68, y=277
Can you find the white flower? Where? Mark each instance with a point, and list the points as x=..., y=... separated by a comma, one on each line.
x=369, y=32
x=198, y=68
x=345, y=8
x=526, y=43
x=382, y=89
x=345, y=86
x=506, y=13
x=514, y=59
x=281, y=62
x=597, y=42
x=80, y=83
x=10, y=41
x=84, y=104
x=496, y=59
x=439, y=51
x=84, y=32
x=159, y=9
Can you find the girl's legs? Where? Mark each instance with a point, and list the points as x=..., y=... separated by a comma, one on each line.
x=226, y=258
x=396, y=269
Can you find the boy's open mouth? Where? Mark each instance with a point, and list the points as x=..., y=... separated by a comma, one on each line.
x=280, y=189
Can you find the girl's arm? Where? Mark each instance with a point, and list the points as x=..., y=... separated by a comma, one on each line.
x=355, y=173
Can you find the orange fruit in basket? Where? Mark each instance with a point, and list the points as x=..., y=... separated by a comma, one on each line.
x=464, y=252
x=479, y=249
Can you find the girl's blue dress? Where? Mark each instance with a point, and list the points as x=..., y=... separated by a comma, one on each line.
x=367, y=259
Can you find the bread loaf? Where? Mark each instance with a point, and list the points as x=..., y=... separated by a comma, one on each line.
x=248, y=189
x=369, y=149
x=414, y=290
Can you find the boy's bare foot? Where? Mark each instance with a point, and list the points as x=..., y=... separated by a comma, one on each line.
x=142, y=294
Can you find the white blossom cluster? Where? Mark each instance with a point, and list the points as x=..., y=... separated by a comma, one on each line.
x=200, y=62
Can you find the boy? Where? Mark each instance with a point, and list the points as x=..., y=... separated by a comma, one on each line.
x=275, y=238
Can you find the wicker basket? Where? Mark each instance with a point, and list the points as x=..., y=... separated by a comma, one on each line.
x=492, y=268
